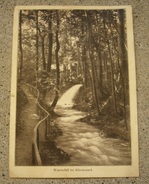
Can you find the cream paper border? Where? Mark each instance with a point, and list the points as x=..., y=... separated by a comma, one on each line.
x=76, y=171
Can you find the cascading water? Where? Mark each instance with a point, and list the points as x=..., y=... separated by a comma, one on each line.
x=67, y=99
x=83, y=142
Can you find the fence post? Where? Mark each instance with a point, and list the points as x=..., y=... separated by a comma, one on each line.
x=33, y=155
x=49, y=121
x=38, y=138
x=39, y=112
x=46, y=128
x=37, y=109
x=35, y=92
x=48, y=125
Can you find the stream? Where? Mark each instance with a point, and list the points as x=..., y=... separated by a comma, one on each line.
x=83, y=142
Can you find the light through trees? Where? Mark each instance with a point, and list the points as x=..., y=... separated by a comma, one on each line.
x=60, y=48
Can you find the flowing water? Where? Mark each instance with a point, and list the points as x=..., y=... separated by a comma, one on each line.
x=67, y=98
x=84, y=142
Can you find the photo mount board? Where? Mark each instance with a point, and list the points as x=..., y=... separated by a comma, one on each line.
x=93, y=171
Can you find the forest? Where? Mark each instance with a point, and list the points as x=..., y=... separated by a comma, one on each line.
x=60, y=48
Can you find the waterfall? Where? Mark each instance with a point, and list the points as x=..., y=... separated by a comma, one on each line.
x=67, y=98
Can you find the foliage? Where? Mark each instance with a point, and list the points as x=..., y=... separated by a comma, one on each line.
x=21, y=102
x=60, y=48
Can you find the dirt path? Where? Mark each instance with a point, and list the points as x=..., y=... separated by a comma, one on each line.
x=24, y=139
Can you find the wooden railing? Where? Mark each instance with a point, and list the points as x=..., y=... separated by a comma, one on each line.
x=41, y=130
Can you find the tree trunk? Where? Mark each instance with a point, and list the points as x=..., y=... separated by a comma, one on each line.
x=122, y=39
x=43, y=54
x=100, y=77
x=111, y=67
x=36, y=40
x=84, y=58
x=57, y=62
x=92, y=65
x=124, y=95
x=97, y=78
x=50, y=42
x=20, y=45
x=79, y=68
x=122, y=57
x=84, y=65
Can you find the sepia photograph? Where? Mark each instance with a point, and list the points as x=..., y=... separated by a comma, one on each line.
x=73, y=93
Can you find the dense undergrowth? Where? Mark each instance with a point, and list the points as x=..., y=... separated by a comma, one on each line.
x=110, y=125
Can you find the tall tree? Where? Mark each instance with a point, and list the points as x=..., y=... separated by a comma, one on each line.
x=20, y=45
x=84, y=57
x=122, y=40
x=42, y=37
x=122, y=60
x=50, y=41
x=111, y=62
x=36, y=13
x=43, y=52
x=92, y=64
x=57, y=60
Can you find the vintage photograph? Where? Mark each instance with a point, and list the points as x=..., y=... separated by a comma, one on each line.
x=73, y=97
